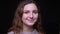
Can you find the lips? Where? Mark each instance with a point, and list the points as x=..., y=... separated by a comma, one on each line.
x=31, y=20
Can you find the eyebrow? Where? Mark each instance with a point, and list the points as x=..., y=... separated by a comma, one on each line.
x=35, y=10
x=28, y=10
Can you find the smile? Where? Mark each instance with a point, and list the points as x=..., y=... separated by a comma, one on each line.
x=30, y=20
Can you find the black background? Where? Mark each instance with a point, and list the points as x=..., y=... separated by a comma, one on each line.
x=48, y=14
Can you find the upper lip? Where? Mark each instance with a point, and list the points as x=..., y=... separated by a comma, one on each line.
x=30, y=19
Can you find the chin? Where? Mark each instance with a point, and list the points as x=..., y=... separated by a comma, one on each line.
x=30, y=24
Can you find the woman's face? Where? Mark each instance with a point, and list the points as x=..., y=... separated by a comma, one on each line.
x=30, y=14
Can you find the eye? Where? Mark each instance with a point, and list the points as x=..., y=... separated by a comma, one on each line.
x=26, y=12
x=35, y=11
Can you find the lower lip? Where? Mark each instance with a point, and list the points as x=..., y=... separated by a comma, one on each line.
x=30, y=20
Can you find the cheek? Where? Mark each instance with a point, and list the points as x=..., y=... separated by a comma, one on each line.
x=36, y=16
x=24, y=17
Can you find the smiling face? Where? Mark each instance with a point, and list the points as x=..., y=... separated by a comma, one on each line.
x=30, y=14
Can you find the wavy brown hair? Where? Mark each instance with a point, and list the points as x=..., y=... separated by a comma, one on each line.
x=17, y=21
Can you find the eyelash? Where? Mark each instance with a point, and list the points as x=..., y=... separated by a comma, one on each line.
x=33, y=12
x=26, y=12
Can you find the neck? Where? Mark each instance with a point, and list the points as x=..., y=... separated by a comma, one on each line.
x=27, y=28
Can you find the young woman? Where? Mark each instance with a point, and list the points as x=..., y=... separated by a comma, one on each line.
x=27, y=19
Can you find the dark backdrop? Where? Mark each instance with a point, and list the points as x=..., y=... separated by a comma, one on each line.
x=48, y=14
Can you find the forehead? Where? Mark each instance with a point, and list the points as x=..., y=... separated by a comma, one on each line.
x=30, y=6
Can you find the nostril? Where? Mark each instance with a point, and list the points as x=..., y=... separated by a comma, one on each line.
x=31, y=17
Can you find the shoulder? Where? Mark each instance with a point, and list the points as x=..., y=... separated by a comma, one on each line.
x=36, y=32
x=10, y=32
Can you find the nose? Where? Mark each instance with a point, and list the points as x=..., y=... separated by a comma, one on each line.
x=31, y=16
